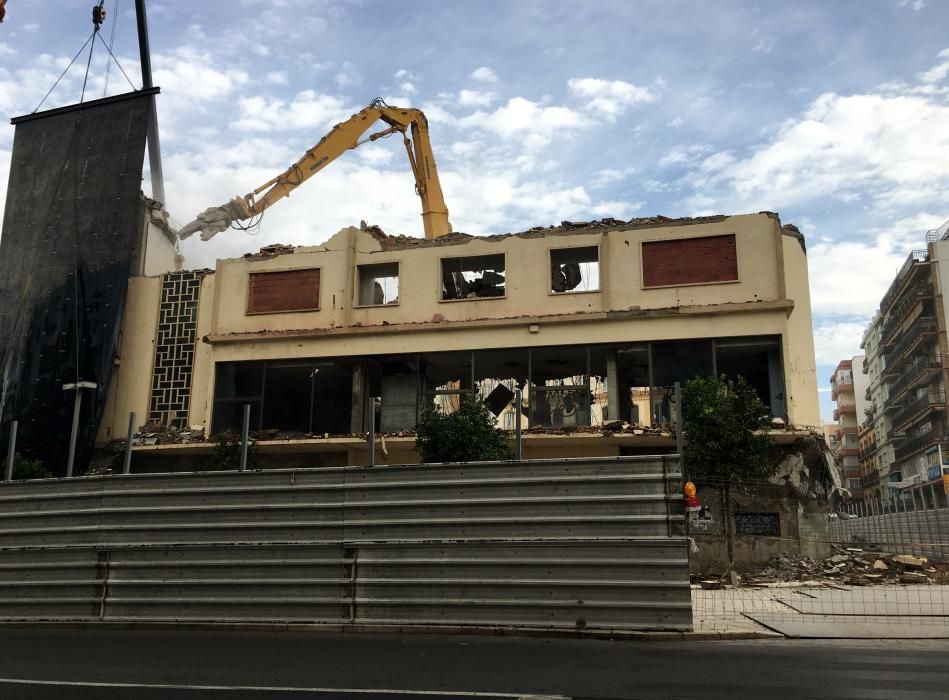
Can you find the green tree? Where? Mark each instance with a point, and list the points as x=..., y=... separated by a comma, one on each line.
x=726, y=432
x=227, y=451
x=24, y=468
x=470, y=434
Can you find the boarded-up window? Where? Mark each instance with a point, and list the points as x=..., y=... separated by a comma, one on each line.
x=288, y=290
x=690, y=261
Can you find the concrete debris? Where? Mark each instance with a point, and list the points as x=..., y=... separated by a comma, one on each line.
x=910, y=562
x=849, y=567
x=270, y=251
x=157, y=434
x=711, y=585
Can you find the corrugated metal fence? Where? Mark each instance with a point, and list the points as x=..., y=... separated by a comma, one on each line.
x=919, y=532
x=587, y=543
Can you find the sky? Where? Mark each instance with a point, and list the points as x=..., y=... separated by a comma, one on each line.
x=833, y=114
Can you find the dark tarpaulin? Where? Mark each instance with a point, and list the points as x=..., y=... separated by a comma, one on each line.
x=71, y=222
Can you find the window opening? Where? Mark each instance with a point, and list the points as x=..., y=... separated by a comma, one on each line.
x=475, y=277
x=378, y=284
x=574, y=269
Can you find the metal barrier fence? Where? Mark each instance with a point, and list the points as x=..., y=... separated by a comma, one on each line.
x=581, y=544
x=794, y=564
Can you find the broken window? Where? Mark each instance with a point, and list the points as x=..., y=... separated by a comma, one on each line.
x=560, y=386
x=444, y=378
x=628, y=377
x=676, y=361
x=497, y=376
x=378, y=284
x=575, y=269
x=474, y=277
x=758, y=360
x=305, y=396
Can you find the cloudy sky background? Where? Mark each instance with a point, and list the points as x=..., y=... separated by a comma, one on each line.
x=835, y=115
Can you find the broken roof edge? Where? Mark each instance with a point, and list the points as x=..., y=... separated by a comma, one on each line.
x=388, y=242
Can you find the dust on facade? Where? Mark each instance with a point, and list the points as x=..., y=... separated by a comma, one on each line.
x=891, y=400
x=594, y=322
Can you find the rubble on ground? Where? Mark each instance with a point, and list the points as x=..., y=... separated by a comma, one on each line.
x=849, y=566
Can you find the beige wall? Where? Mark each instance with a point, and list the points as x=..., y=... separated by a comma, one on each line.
x=132, y=376
x=770, y=298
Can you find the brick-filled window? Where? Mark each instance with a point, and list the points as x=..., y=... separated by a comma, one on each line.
x=286, y=290
x=704, y=260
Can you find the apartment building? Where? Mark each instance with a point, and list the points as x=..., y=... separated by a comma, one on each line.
x=912, y=346
x=848, y=387
x=594, y=323
x=877, y=458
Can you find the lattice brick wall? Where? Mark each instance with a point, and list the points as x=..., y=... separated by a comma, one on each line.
x=174, y=348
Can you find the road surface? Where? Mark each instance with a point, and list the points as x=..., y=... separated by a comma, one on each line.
x=78, y=663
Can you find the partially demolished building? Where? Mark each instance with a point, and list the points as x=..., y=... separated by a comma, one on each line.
x=593, y=322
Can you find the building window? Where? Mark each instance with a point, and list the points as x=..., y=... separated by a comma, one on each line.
x=687, y=261
x=853, y=484
x=474, y=277
x=283, y=291
x=378, y=284
x=575, y=270
x=760, y=524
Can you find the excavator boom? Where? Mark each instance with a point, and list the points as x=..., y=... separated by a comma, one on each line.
x=343, y=137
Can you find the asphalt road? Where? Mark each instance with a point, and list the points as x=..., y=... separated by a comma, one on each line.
x=79, y=663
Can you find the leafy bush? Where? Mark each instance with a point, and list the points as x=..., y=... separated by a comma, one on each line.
x=227, y=451
x=24, y=468
x=470, y=434
x=725, y=425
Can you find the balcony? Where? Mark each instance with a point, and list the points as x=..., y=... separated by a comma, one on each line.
x=922, y=327
x=902, y=308
x=848, y=409
x=870, y=480
x=921, y=442
x=915, y=259
x=923, y=367
x=915, y=408
x=840, y=388
x=866, y=366
x=867, y=452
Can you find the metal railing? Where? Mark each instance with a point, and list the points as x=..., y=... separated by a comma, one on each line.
x=921, y=326
x=918, y=406
x=915, y=256
x=912, y=372
x=920, y=442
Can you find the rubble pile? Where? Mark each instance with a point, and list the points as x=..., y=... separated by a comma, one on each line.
x=851, y=566
x=157, y=434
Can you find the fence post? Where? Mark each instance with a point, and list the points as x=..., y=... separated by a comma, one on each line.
x=11, y=451
x=518, y=454
x=245, y=435
x=372, y=431
x=680, y=439
x=127, y=461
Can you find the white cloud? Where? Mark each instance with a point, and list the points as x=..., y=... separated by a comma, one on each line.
x=837, y=340
x=31, y=27
x=764, y=45
x=893, y=148
x=277, y=77
x=531, y=122
x=938, y=72
x=849, y=277
x=348, y=76
x=308, y=110
x=609, y=98
x=677, y=122
x=6, y=49
x=405, y=74
x=473, y=98
x=683, y=155
x=914, y=4
x=189, y=75
x=408, y=88
x=484, y=74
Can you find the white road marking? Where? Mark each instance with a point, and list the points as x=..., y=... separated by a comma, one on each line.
x=278, y=689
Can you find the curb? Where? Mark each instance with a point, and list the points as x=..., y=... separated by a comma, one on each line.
x=332, y=628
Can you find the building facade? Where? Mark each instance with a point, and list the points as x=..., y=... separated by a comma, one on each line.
x=906, y=343
x=845, y=383
x=593, y=323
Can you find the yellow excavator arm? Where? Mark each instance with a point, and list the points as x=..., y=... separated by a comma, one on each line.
x=341, y=138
